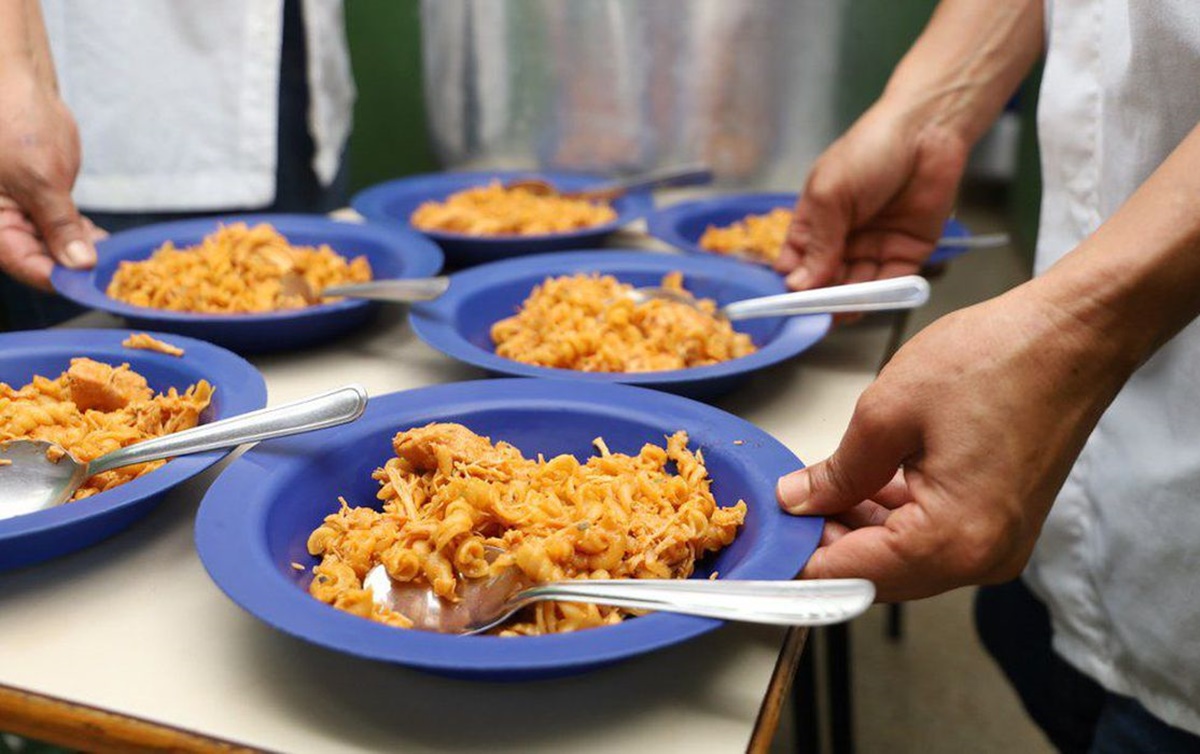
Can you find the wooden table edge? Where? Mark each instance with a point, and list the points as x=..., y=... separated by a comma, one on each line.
x=88, y=728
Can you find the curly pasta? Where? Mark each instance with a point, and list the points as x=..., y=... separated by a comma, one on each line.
x=449, y=495
x=494, y=210
x=589, y=323
x=759, y=237
x=94, y=408
x=237, y=269
x=140, y=341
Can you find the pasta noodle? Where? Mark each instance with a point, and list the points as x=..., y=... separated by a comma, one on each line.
x=759, y=237
x=494, y=210
x=94, y=408
x=237, y=269
x=589, y=323
x=449, y=495
x=143, y=342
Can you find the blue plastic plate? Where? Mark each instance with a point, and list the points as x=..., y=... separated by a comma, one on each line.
x=256, y=518
x=392, y=252
x=681, y=225
x=35, y=537
x=395, y=201
x=459, y=322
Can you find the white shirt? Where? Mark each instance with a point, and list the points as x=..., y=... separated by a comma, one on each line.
x=177, y=101
x=1118, y=562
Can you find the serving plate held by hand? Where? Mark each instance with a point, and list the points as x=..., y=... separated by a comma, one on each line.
x=459, y=322
x=239, y=388
x=394, y=202
x=392, y=252
x=256, y=518
x=681, y=225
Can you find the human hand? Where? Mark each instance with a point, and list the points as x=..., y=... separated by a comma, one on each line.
x=39, y=160
x=954, y=455
x=875, y=202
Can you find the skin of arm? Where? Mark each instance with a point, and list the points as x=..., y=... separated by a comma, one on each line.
x=875, y=201
x=956, y=453
x=39, y=156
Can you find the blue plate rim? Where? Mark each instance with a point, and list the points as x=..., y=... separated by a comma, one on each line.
x=250, y=395
x=661, y=223
x=230, y=519
x=371, y=201
x=424, y=256
x=429, y=323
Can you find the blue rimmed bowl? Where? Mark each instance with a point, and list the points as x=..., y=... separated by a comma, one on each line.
x=394, y=202
x=392, y=252
x=256, y=518
x=459, y=322
x=681, y=225
x=239, y=388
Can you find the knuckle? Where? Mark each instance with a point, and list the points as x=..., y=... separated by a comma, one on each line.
x=873, y=415
x=822, y=188
x=980, y=550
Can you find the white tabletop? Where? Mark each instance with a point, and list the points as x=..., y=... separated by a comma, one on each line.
x=135, y=626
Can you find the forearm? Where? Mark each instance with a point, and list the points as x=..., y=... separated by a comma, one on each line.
x=24, y=47
x=967, y=64
x=1135, y=282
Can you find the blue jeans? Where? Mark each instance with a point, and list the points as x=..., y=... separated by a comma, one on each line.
x=1077, y=714
x=297, y=188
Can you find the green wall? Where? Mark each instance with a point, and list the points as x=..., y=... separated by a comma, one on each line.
x=390, y=136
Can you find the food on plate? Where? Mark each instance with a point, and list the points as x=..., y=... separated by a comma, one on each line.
x=496, y=210
x=141, y=341
x=758, y=237
x=237, y=269
x=450, y=495
x=94, y=408
x=589, y=323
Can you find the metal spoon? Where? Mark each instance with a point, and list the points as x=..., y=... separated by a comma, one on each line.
x=402, y=290
x=681, y=175
x=983, y=241
x=32, y=481
x=907, y=292
x=486, y=603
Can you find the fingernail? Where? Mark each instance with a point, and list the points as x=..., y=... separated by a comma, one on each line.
x=798, y=279
x=79, y=254
x=793, y=491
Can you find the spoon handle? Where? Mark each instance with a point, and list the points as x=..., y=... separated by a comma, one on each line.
x=906, y=292
x=983, y=241
x=402, y=290
x=786, y=603
x=679, y=175
x=324, y=410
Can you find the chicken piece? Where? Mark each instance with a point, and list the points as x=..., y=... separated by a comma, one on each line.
x=98, y=386
x=439, y=446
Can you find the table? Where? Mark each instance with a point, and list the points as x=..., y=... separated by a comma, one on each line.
x=129, y=645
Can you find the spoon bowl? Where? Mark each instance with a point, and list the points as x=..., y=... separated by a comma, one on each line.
x=38, y=475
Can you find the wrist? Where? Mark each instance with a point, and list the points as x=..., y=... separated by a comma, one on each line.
x=1089, y=324
x=950, y=102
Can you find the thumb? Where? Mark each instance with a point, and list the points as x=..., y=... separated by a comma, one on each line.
x=63, y=229
x=816, y=240
x=868, y=457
